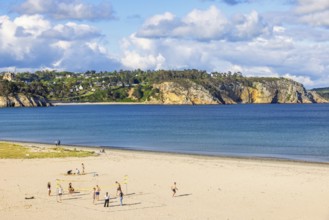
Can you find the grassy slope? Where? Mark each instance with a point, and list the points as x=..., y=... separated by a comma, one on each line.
x=15, y=151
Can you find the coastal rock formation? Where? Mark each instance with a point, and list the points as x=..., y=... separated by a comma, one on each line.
x=316, y=97
x=187, y=92
x=22, y=100
x=266, y=91
x=260, y=90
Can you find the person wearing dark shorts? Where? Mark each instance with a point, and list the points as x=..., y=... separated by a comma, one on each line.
x=174, y=189
x=97, y=192
x=107, y=200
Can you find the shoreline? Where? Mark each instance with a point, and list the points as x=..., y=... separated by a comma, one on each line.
x=183, y=154
x=101, y=103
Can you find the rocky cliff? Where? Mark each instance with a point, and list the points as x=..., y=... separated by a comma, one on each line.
x=255, y=90
x=190, y=93
x=22, y=100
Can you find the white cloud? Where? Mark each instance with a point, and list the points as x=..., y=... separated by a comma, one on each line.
x=67, y=9
x=203, y=25
x=71, y=31
x=134, y=60
x=32, y=24
x=314, y=12
x=248, y=44
x=32, y=42
x=311, y=6
x=158, y=19
x=305, y=80
x=250, y=26
x=317, y=19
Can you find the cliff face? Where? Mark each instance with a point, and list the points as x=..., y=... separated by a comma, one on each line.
x=189, y=93
x=233, y=92
x=21, y=100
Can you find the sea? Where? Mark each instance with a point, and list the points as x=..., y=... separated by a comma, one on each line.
x=278, y=131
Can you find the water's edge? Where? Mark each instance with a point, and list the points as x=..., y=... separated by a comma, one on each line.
x=199, y=155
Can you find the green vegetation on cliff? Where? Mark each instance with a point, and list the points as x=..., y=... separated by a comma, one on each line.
x=143, y=86
x=324, y=92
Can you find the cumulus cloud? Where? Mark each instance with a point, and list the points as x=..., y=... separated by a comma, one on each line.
x=314, y=12
x=67, y=9
x=71, y=31
x=31, y=42
x=305, y=80
x=203, y=25
x=311, y=6
x=247, y=43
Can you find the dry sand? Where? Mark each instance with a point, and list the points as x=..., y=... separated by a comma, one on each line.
x=208, y=188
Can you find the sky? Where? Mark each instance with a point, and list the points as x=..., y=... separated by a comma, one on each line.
x=268, y=38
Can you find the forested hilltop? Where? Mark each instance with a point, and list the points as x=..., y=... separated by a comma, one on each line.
x=158, y=87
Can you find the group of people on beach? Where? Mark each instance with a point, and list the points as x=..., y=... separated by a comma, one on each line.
x=96, y=193
x=96, y=190
x=77, y=171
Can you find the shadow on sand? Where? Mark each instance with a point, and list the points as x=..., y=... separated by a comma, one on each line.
x=181, y=195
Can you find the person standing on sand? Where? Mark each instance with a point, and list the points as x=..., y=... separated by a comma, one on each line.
x=49, y=188
x=83, y=168
x=59, y=193
x=121, y=197
x=94, y=195
x=174, y=189
x=98, y=190
x=107, y=200
x=118, y=187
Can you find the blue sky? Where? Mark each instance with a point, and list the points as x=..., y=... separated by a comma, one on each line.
x=256, y=37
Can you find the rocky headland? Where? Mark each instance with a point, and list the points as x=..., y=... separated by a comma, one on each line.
x=23, y=100
x=260, y=91
x=188, y=87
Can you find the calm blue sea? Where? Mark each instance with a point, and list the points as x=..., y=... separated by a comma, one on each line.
x=297, y=132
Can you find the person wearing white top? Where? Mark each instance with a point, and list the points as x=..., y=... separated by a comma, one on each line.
x=107, y=200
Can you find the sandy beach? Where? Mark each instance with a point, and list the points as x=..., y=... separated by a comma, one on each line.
x=208, y=188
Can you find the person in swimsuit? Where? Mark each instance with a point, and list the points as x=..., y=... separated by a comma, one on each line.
x=97, y=192
x=71, y=189
x=174, y=189
x=118, y=187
